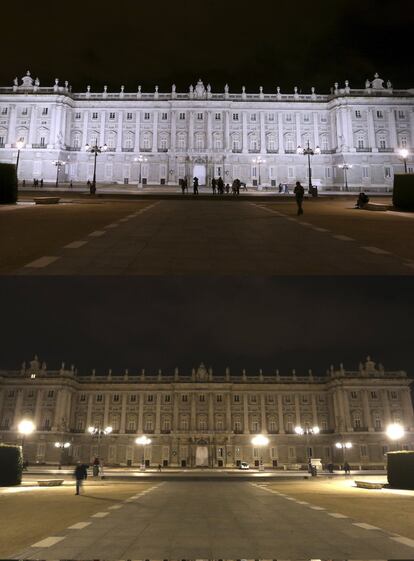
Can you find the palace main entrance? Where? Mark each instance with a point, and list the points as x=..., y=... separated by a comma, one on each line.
x=200, y=171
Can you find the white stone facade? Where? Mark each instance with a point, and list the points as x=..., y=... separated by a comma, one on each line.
x=216, y=414
x=208, y=134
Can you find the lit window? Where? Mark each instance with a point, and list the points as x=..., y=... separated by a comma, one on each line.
x=236, y=398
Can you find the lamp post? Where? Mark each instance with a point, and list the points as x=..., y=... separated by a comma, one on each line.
x=97, y=432
x=95, y=150
x=140, y=160
x=58, y=164
x=395, y=432
x=344, y=446
x=62, y=447
x=345, y=167
x=25, y=428
x=260, y=441
x=404, y=156
x=308, y=431
x=19, y=146
x=308, y=151
x=259, y=160
x=143, y=441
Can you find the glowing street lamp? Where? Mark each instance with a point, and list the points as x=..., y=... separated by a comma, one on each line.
x=62, y=446
x=260, y=441
x=404, y=156
x=95, y=150
x=345, y=167
x=344, y=446
x=395, y=432
x=308, y=431
x=19, y=146
x=259, y=161
x=97, y=432
x=58, y=164
x=141, y=159
x=308, y=151
x=25, y=428
x=143, y=441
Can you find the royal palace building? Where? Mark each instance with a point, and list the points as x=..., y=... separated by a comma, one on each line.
x=159, y=138
x=205, y=418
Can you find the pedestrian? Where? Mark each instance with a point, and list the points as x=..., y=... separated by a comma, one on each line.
x=238, y=184
x=159, y=467
x=362, y=200
x=71, y=184
x=95, y=467
x=280, y=188
x=299, y=194
x=80, y=474
x=24, y=183
x=220, y=185
x=214, y=185
x=41, y=183
x=227, y=188
x=347, y=468
x=195, y=185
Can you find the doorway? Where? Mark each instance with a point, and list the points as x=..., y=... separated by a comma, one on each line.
x=200, y=172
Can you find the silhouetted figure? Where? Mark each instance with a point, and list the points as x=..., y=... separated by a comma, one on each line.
x=214, y=185
x=362, y=200
x=80, y=475
x=299, y=194
x=347, y=468
x=41, y=183
x=220, y=185
x=195, y=185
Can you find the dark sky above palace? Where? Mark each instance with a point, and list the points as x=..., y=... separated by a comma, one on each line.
x=269, y=43
x=243, y=322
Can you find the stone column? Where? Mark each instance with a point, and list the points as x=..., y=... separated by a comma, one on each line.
x=339, y=133
x=68, y=409
x=245, y=147
x=344, y=123
x=11, y=135
x=137, y=130
x=263, y=413
x=141, y=413
x=371, y=131
x=297, y=410
x=18, y=408
x=298, y=131
x=102, y=129
x=175, y=413
x=350, y=130
x=158, y=413
x=209, y=131
x=89, y=411
x=155, y=133
x=123, y=413
x=58, y=126
x=393, y=129
x=191, y=131
x=316, y=140
x=63, y=125
x=280, y=414
x=38, y=408
x=333, y=130
x=173, y=132
x=193, y=413
x=106, y=411
x=120, y=132
x=52, y=132
x=280, y=133
x=386, y=405
x=85, y=130
x=314, y=411
x=262, y=133
x=246, y=415
x=367, y=412
x=348, y=420
x=228, y=413
x=411, y=124
x=210, y=412
x=227, y=130
x=32, y=126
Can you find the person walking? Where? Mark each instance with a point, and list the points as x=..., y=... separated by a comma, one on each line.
x=195, y=185
x=80, y=474
x=220, y=185
x=214, y=185
x=347, y=468
x=299, y=194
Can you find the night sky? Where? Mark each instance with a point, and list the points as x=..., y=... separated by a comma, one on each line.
x=251, y=323
x=268, y=43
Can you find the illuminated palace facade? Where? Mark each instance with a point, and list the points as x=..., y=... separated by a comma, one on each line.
x=158, y=138
x=204, y=418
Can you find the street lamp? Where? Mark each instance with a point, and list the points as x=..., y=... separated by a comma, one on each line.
x=345, y=167
x=395, y=432
x=95, y=150
x=259, y=161
x=308, y=151
x=404, y=156
x=344, y=446
x=140, y=160
x=25, y=428
x=97, y=432
x=308, y=431
x=58, y=164
x=19, y=146
x=62, y=446
x=143, y=441
x=260, y=441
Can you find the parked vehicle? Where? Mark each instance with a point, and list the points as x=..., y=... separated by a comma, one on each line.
x=244, y=465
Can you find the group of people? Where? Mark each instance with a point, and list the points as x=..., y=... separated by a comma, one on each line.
x=217, y=185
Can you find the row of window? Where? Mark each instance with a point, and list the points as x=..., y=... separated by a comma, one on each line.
x=380, y=114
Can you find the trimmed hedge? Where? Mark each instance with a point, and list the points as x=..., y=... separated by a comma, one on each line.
x=400, y=469
x=11, y=465
x=8, y=184
x=403, y=194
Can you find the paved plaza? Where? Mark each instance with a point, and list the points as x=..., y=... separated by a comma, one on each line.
x=208, y=520
x=171, y=236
